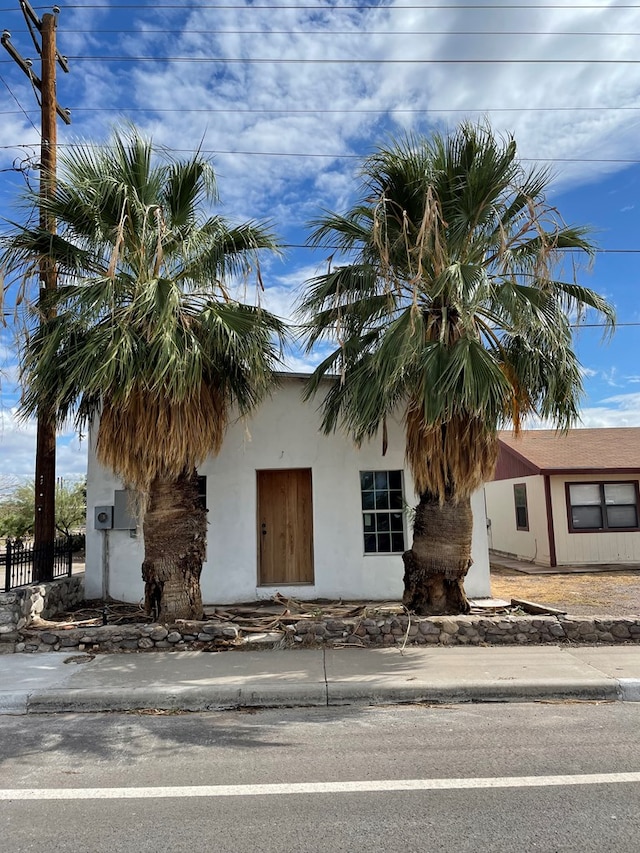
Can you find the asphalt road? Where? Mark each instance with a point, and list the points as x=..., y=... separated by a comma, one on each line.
x=515, y=777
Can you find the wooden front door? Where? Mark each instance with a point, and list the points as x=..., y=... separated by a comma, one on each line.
x=285, y=527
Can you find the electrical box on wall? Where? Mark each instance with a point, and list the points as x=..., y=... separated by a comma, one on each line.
x=103, y=517
x=125, y=510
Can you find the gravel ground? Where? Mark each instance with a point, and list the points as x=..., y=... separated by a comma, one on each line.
x=593, y=594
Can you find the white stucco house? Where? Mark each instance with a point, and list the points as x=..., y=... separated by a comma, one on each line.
x=290, y=510
x=567, y=499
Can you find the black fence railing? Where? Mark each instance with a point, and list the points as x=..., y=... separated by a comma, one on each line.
x=26, y=564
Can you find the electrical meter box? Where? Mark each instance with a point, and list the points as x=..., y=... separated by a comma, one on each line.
x=103, y=517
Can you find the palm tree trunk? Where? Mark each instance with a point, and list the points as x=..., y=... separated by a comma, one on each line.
x=440, y=557
x=175, y=535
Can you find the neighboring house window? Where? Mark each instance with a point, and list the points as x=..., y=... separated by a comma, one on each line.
x=602, y=506
x=382, y=518
x=202, y=491
x=522, y=513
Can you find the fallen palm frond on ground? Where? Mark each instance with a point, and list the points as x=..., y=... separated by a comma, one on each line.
x=250, y=617
x=577, y=594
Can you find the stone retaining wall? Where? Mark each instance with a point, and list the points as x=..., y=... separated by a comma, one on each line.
x=21, y=607
x=370, y=632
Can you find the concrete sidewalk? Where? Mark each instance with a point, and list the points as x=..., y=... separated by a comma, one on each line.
x=198, y=681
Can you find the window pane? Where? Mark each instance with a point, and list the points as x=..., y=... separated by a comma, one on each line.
x=202, y=492
x=622, y=516
x=396, y=521
x=382, y=500
x=369, y=522
x=521, y=517
x=586, y=517
x=370, y=544
x=366, y=480
x=397, y=542
x=620, y=493
x=382, y=522
x=395, y=480
x=368, y=501
x=584, y=494
x=395, y=500
x=384, y=542
x=382, y=481
x=520, y=495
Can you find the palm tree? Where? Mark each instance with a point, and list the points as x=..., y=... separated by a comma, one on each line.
x=146, y=336
x=449, y=312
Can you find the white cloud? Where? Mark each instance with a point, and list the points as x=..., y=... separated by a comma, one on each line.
x=254, y=183
x=288, y=184
x=17, y=449
x=587, y=372
x=619, y=410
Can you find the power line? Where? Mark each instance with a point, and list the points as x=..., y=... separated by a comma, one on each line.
x=353, y=32
x=598, y=251
x=277, y=60
x=567, y=251
x=381, y=112
x=572, y=325
x=22, y=110
x=601, y=325
x=333, y=156
x=342, y=6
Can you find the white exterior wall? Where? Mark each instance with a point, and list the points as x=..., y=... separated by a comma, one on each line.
x=584, y=548
x=532, y=544
x=283, y=434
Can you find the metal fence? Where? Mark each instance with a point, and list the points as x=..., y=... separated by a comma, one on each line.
x=26, y=564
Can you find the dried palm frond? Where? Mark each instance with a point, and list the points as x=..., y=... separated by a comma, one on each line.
x=452, y=459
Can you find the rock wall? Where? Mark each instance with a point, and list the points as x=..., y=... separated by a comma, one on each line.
x=21, y=610
x=449, y=631
x=21, y=607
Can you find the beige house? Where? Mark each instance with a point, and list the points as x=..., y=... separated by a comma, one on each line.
x=567, y=499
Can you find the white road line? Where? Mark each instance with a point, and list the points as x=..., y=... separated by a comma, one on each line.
x=383, y=785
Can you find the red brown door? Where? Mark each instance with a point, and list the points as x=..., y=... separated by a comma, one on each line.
x=285, y=527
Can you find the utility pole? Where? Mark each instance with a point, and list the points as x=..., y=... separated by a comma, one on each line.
x=45, y=478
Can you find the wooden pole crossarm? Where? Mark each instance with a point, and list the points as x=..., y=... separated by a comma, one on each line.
x=30, y=16
x=26, y=66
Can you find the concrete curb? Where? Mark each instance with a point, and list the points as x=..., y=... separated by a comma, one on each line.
x=198, y=698
x=629, y=689
x=173, y=699
x=14, y=703
x=604, y=689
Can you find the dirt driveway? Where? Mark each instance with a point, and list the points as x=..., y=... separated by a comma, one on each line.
x=592, y=594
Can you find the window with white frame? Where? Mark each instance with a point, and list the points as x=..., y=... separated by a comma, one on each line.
x=602, y=506
x=382, y=512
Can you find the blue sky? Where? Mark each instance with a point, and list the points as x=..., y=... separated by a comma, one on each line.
x=286, y=136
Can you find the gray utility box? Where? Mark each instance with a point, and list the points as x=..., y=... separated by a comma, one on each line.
x=125, y=510
x=103, y=517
